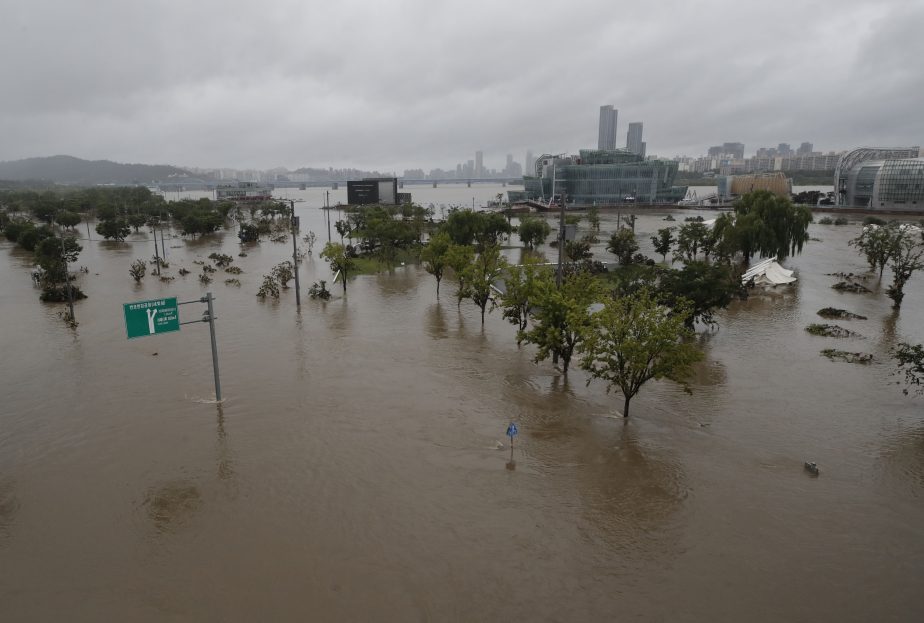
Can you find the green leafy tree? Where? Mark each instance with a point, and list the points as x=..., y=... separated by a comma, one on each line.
x=137, y=270
x=339, y=260
x=533, y=231
x=520, y=283
x=698, y=290
x=910, y=359
x=343, y=228
x=29, y=237
x=481, y=274
x=765, y=224
x=877, y=244
x=578, y=250
x=663, y=242
x=907, y=256
x=434, y=256
x=593, y=217
x=466, y=226
x=283, y=272
x=458, y=258
x=560, y=316
x=633, y=340
x=53, y=254
x=691, y=238
x=114, y=229
x=622, y=244
x=137, y=221
x=68, y=219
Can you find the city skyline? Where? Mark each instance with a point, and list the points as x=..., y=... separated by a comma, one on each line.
x=141, y=84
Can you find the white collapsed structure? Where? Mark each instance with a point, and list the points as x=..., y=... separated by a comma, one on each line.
x=767, y=273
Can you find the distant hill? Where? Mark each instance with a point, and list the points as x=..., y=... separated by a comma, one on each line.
x=70, y=170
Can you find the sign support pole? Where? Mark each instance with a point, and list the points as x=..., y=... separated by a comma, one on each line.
x=211, y=313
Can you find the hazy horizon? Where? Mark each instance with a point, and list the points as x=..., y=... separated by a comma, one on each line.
x=425, y=85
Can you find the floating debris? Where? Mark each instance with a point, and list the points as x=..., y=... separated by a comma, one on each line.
x=841, y=314
x=812, y=468
x=842, y=355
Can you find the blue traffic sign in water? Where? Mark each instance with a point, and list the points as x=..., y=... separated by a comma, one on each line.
x=512, y=430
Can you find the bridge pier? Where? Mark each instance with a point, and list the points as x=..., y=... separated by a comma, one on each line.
x=400, y=184
x=470, y=183
x=434, y=184
x=334, y=186
x=505, y=184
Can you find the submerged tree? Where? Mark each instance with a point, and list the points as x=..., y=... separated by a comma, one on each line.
x=520, y=284
x=340, y=261
x=663, y=242
x=458, y=258
x=434, y=256
x=533, y=231
x=623, y=245
x=635, y=339
x=907, y=256
x=764, y=224
x=910, y=358
x=877, y=244
x=560, y=316
x=138, y=270
x=481, y=274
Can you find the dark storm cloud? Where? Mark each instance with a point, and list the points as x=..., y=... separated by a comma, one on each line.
x=391, y=85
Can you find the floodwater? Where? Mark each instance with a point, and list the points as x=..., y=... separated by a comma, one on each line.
x=353, y=471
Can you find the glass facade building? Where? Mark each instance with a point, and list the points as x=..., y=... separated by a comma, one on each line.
x=604, y=177
x=880, y=179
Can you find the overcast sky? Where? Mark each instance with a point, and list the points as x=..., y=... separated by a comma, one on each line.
x=391, y=85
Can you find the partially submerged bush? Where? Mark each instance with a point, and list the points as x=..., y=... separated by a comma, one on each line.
x=841, y=314
x=830, y=330
x=318, y=290
x=137, y=270
x=269, y=288
x=842, y=355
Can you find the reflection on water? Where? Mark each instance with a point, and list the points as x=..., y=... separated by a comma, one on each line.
x=630, y=492
x=9, y=506
x=172, y=504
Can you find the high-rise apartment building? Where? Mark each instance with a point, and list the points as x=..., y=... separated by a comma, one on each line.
x=805, y=149
x=529, y=165
x=634, y=139
x=607, y=132
x=479, y=164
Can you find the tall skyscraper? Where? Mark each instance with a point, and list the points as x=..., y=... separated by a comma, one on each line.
x=529, y=165
x=634, y=138
x=607, y=133
x=479, y=164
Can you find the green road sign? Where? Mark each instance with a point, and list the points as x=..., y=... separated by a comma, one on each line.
x=151, y=317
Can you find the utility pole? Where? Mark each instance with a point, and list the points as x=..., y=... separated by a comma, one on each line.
x=561, y=240
x=298, y=291
x=156, y=252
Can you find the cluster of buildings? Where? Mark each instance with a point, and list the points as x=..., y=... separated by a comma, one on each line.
x=728, y=159
x=603, y=176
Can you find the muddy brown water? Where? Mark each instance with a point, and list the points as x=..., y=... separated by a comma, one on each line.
x=353, y=471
